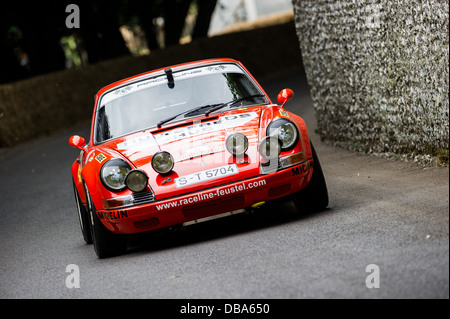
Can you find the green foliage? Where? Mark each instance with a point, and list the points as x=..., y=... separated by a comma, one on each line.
x=29, y=26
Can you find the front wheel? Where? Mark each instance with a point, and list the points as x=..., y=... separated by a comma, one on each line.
x=83, y=217
x=314, y=197
x=106, y=243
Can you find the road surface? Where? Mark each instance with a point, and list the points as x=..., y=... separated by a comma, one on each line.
x=387, y=226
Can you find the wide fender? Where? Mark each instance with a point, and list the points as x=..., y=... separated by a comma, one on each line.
x=274, y=112
x=90, y=174
x=78, y=180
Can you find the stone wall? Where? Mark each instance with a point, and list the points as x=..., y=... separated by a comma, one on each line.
x=379, y=74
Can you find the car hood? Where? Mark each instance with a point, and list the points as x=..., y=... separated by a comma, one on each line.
x=196, y=145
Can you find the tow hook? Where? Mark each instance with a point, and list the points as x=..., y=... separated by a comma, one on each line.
x=255, y=207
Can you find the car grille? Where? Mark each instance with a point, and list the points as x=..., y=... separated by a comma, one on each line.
x=143, y=198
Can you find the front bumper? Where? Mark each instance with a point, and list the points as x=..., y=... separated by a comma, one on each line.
x=232, y=197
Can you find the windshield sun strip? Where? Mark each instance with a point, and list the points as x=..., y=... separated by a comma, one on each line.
x=162, y=75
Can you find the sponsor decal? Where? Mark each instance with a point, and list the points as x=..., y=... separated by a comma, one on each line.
x=284, y=113
x=89, y=157
x=167, y=180
x=303, y=168
x=216, y=68
x=223, y=123
x=100, y=158
x=135, y=143
x=162, y=79
x=198, y=151
x=112, y=215
x=123, y=91
x=79, y=173
x=205, y=196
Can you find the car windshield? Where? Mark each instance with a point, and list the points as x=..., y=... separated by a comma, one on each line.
x=143, y=104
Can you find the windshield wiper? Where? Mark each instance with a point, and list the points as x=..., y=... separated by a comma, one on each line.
x=214, y=107
x=196, y=109
x=222, y=105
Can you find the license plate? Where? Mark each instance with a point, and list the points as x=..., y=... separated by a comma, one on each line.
x=206, y=175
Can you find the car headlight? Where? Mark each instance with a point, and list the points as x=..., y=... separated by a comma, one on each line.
x=237, y=144
x=162, y=162
x=113, y=174
x=269, y=148
x=136, y=180
x=285, y=131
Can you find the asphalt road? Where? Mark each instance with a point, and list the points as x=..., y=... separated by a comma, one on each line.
x=394, y=215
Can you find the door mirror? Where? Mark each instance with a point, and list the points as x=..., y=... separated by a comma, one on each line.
x=284, y=96
x=77, y=142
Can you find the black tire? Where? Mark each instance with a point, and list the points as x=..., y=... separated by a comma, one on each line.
x=314, y=197
x=106, y=243
x=83, y=217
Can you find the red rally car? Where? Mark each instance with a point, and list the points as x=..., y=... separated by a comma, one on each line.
x=186, y=144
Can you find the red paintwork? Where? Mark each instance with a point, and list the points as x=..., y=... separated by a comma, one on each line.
x=174, y=205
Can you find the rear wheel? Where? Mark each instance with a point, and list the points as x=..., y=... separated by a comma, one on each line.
x=106, y=243
x=314, y=197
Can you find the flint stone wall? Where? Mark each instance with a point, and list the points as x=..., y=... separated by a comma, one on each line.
x=379, y=74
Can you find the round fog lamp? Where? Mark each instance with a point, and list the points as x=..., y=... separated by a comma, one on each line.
x=237, y=144
x=269, y=148
x=162, y=162
x=136, y=180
